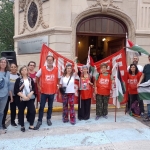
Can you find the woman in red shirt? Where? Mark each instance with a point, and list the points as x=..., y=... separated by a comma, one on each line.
x=133, y=79
x=84, y=105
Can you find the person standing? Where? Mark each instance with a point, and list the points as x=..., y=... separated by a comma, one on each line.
x=32, y=74
x=133, y=79
x=144, y=78
x=47, y=81
x=135, y=61
x=24, y=91
x=86, y=86
x=13, y=76
x=102, y=91
x=68, y=81
x=140, y=68
x=4, y=88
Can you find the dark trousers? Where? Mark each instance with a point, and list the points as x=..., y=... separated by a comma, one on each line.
x=102, y=105
x=84, y=107
x=12, y=108
x=30, y=105
x=133, y=98
x=50, y=98
x=28, y=113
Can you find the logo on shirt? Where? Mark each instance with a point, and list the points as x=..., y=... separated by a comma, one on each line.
x=133, y=81
x=49, y=78
x=104, y=81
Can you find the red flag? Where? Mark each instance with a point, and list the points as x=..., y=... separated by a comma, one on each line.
x=61, y=61
x=120, y=58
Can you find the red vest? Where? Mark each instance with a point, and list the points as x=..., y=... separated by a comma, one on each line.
x=132, y=82
x=49, y=80
x=103, y=85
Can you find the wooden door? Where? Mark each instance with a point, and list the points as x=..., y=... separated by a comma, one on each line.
x=116, y=45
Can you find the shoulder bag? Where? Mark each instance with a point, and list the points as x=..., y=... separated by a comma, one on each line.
x=63, y=89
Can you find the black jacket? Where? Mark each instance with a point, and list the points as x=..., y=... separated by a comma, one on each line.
x=17, y=87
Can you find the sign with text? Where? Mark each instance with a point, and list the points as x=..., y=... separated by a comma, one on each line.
x=32, y=45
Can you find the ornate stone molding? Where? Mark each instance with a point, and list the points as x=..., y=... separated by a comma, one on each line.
x=110, y=11
x=104, y=5
x=22, y=4
x=40, y=20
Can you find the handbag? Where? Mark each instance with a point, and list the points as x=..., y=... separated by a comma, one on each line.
x=2, y=81
x=63, y=89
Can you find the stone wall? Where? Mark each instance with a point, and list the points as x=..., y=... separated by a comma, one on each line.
x=59, y=19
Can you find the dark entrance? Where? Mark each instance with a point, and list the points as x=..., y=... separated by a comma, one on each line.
x=104, y=35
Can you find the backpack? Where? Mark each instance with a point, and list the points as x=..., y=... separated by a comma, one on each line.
x=135, y=108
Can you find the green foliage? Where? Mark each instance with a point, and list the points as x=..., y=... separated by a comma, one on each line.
x=6, y=25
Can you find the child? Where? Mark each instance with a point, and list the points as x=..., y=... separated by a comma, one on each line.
x=102, y=91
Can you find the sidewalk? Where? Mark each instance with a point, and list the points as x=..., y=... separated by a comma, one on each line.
x=126, y=134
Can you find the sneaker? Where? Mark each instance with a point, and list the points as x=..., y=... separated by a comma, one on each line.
x=23, y=129
x=2, y=131
x=97, y=117
x=14, y=125
x=105, y=116
x=39, y=123
x=49, y=123
x=4, y=127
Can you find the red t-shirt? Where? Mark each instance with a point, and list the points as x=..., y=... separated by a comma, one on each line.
x=87, y=92
x=104, y=84
x=132, y=82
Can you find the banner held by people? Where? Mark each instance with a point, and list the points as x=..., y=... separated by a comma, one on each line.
x=60, y=62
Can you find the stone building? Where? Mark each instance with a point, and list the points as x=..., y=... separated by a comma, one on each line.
x=71, y=26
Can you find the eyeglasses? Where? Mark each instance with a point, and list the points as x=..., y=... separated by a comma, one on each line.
x=3, y=62
x=32, y=65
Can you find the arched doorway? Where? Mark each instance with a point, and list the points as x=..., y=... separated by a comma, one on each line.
x=104, y=35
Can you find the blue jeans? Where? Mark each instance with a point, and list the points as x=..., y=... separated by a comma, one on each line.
x=148, y=109
x=3, y=101
x=50, y=98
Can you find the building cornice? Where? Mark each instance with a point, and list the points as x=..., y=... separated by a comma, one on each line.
x=49, y=31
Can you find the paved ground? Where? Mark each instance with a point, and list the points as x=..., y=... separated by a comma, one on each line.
x=126, y=134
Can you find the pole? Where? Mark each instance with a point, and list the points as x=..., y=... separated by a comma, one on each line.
x=115, y=109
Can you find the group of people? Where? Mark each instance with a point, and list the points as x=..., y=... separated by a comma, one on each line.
x=20, y=90
x=137, y=75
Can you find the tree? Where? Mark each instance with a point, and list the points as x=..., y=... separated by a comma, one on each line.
x=6, y=25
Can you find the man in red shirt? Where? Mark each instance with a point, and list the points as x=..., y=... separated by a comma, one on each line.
x=47, y=85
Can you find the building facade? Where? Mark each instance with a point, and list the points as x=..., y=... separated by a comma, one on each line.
x=70, y=27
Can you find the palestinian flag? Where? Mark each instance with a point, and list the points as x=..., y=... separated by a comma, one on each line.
x=118, y=88
x=135, y=49
x=121, y=87
x=144, y=90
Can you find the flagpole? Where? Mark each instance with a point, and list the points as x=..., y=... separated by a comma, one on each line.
x=115, y=109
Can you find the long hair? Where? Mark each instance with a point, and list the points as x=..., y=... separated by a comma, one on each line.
x=65, y=71
x=136, y=69
x=22, y=69
x=7, y=64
